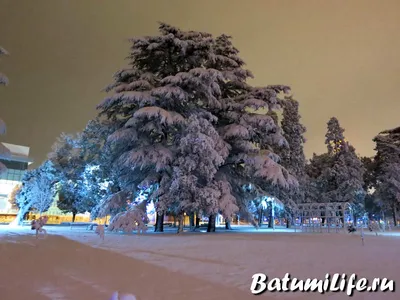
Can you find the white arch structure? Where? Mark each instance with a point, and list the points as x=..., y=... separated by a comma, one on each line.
x=312, y=214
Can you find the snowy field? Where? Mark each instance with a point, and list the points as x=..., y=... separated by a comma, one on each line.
x=76, y=264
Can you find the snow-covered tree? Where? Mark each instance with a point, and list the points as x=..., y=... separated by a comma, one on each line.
x=347, y=171
x=4, y=151
x=67, y=160
x=201, y=151
x=12, y=197
x=317, y=183
x=111, y=205
x=37, y=191
x=388, y=169
x=370, y=166
x=178, y=75
x=334, y=138
x=70, y=199
x=337, y=176
x=134, y=219
x=251, y=133
x=293, y=157
x=83, y=173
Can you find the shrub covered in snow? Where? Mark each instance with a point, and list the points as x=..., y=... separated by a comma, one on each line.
x=134, y=219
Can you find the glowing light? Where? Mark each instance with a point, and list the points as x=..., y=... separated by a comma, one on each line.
x=151, y=209
x=264, y=204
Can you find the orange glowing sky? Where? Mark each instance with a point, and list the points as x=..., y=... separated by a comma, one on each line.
x=341, y=58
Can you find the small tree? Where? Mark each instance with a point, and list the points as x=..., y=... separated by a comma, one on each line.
x=83, y=166
x=12, y=197
x=37, y=191
x=42, y=193
x=68, y=199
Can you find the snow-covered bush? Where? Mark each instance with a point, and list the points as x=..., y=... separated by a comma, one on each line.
x=134, y=219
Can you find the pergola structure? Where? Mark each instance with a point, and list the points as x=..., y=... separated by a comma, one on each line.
x=319, y=217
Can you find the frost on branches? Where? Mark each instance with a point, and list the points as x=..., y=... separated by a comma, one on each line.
x=187, y=117
x=335, y=140
x=134, y=219
x=338, y=175
x=292, y=157
x=111, y=205
x=37, y=191
x=84, y=167
x=201, y=151
x=124, y=216
x=388, y=169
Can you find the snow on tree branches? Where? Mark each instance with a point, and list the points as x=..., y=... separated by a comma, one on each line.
x=37, y=191
x=338, y=175
x=387, y=160
x=335, y=140
x=292, y=157
x=180, y=80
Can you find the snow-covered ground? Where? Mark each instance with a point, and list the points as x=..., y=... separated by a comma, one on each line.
x=76, y=264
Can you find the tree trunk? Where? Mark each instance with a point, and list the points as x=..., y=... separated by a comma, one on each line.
x=228, y=224
x=394, y=215
x=211, y=224
x=159, y=222
x=174, y=216
x=288, y=221
x=271, y=222
x=341, y=215
x=21, y=214
x=73, y=216
x=197, y=220
x=192, y=222
x=260, y=217
x=355, y=220
x=180, y=222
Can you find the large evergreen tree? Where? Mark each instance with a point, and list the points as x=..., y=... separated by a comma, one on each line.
x=317, y=184
x=345, y=176
x=292, y=157
x=388, y=169
x=373, y=204
x=172, y=78
x=334, y=137
x=337, y=176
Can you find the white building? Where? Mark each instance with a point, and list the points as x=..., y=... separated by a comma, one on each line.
x=16, y=165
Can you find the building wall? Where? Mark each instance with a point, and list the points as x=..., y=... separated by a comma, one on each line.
x=8, y=180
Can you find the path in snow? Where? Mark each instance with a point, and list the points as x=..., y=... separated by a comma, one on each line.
x=59, y=269
x=232, y=258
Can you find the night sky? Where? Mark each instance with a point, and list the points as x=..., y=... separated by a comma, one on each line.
x=341, y=58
